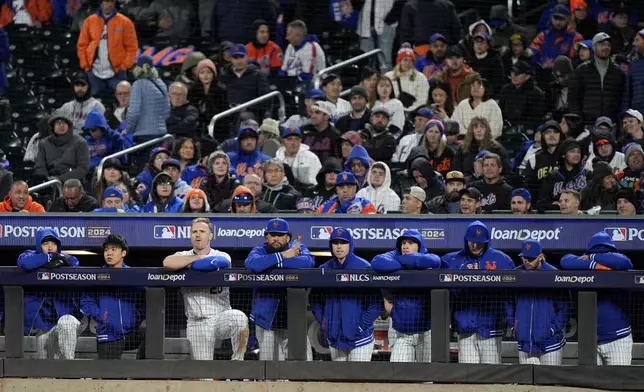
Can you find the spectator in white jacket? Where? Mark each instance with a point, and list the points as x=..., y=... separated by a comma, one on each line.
x=304, y=56
x=406, y=79
x=379, y=190
x=332, y=87
x=374, y=32
x=304, y=163
x=387, y=99
x=479, y=104
x=408, y=142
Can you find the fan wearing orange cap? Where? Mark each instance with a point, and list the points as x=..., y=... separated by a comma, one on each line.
x=581, y=19
x=410, y=85
x=195, y=201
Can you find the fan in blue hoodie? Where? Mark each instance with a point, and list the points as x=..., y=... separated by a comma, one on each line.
x=358, y=162
x=162, y=196
x=117, y=312
x=248, y=159
x=269, y=305
x=539, y=317
x=151, y=170
x=101, y=140
x=346, y=316
x=614, y=339
x=52, y=316
x=409, y=308
x=478, y=314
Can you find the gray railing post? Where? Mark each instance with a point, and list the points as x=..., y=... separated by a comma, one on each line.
x=281, y=112
x=53, y=183
x=353, y=60
x=440, y=317
x=296, y=301
x=141, y=146
x=14, y=300
x=154, y=322
x=587, y=334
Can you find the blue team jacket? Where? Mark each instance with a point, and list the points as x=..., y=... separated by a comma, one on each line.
x=109, y=143
x=478, y=311
x=613, y=320
x=269, y=306
x=539, y=318
x=347, y=316
x=411, y=308
x=117, y=312
x=42, y=310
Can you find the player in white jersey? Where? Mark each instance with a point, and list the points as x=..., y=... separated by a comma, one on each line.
x=208, y=310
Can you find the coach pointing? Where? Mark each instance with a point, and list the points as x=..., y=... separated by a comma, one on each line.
x=269, y=305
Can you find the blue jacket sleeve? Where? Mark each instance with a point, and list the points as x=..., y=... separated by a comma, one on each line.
x=509, y=264
x=210, y=263
x=419, y=260
x=89, y=306
x=614, y=260
x=118, y=144
x=31, y=260
x=258, y=261
x=386, y=262
x=304, y=260
x=72, y=259
x=372, y=308
x=572, y=262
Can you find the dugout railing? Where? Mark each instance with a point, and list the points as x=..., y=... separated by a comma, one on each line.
x=584, y=284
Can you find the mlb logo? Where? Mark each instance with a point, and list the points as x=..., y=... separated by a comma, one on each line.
x=165, y=232
x=639, y=280
x=321, y=232
x=230, y=277
x=445, y=277
x=617, y=233
x=44, y=276
x=342, y=278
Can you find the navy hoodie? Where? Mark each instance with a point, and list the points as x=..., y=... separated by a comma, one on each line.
x=109, y=143
x=410, y=312
x=43, y=309
x=539, y=318
x=478, y=311
x=269, y=305
x=347, y=316
x=613, y=320
x=360, y=153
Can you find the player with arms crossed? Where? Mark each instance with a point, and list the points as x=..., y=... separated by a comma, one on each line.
x=478, y=314
x=269, y=305
x=614, y=339
x=210, y=316
x=53, y=316
x=346, y=316
x=539, y=317
x=409, y=309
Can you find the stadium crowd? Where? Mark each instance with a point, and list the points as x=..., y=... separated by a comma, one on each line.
x=461, y=123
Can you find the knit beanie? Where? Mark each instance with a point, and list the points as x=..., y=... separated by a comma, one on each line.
x=405, y=52
x=601, y=169
x=437, y=123
x=631, y=148
x=207, y=63
x=569, y=144
x=215, y=155
x=628, y=194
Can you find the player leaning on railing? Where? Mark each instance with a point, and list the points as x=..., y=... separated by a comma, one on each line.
x=52, y=316
x=210, y=316
x=269, y=305
x=346, y=316
x=614, y=339
x=409, y=309
x=478, y=314
x=117, y=312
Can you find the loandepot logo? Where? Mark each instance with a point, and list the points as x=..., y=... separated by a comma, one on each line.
x=167, y=277
x=526, y=234
x=620, y=234
x=574, y=279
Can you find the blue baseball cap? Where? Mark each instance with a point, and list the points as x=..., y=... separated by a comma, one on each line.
x=424, y=112
x=238, y=50
x=277, y=225
x=292, y=131
x=477, y=232
x=171, y=162
x=243, y=199
x=144, y=59
x=315, y=93
x=437, y=37
x=530, y=249
x=346, y=178
x=342, y=234
x=522, y=192
x=481, y=154
x=561, y=10
x=112, y=192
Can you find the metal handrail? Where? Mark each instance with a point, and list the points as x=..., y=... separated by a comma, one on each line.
x=53, y=183
x=281, y=112
x=318, y=76
x=99, y=169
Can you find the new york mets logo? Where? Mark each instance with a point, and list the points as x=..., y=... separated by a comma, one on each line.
x=478, y=232
x=528, y=246
x=275, y=224
x=345, y=177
